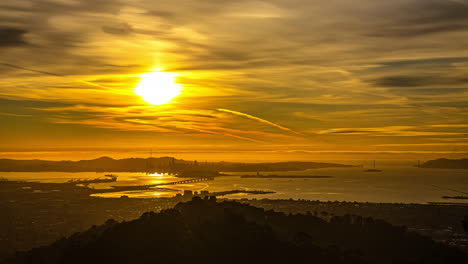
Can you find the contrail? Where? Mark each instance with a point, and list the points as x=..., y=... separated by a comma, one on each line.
x=222, y=134
x=453, y=190
x=50, y=74
x=257, y=119
x=31, y=70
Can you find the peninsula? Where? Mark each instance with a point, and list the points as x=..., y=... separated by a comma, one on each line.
x=446, y=164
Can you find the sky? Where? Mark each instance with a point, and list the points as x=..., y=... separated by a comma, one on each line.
x=260, y=80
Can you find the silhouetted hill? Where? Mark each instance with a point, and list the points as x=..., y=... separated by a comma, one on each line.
x=163, y=164
x=204, y=231
x=446, y=164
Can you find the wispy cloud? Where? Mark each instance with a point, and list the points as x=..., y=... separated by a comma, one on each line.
x=160, y=120
x=12, y=37
x=329, y=73
x=401, y=131
x=451, y=125
x=14, y=115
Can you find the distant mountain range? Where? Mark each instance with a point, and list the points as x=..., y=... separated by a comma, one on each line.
x=205, y=231
x=162, y=164
x=446, y=164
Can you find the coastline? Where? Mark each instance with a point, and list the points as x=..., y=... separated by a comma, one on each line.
x=32, y=219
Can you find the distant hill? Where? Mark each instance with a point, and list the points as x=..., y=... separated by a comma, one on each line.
x=205, y=231
x=446, y=164
x=163, y=164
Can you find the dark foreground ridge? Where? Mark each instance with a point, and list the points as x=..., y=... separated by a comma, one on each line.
x=446, y=164
x=208, y=231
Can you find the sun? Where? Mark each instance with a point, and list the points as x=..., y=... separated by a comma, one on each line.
x=158, y=88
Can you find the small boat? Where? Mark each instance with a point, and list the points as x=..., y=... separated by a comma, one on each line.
x=373, y=169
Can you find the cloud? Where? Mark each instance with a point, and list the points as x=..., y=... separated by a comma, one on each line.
x=451, y=125
x=443, y=11
x=427, y=144
x=166, y=120
x=12, y=37
x=159, y=13
x=394, y=131
x=419, y=18
x=14, y=115
x=121, y=29
x=415, y=31
x=366, y=72
x=419, y=81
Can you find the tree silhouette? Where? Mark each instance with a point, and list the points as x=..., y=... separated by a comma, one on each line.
x=465, y=222
x=208, y=231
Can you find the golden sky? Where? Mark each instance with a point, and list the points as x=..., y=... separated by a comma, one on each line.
x=299, y=79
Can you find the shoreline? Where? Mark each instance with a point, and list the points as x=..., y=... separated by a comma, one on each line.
x=31, y=219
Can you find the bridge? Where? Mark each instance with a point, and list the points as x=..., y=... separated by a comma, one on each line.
x=202, y=179
x=149, y=186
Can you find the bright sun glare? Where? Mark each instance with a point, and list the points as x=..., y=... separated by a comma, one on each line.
x=158, y=87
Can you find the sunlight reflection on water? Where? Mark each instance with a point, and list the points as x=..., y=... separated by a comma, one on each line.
x=394, y=184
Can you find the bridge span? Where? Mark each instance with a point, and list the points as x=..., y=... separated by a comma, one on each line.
x=201, y=179
x=149, y=186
